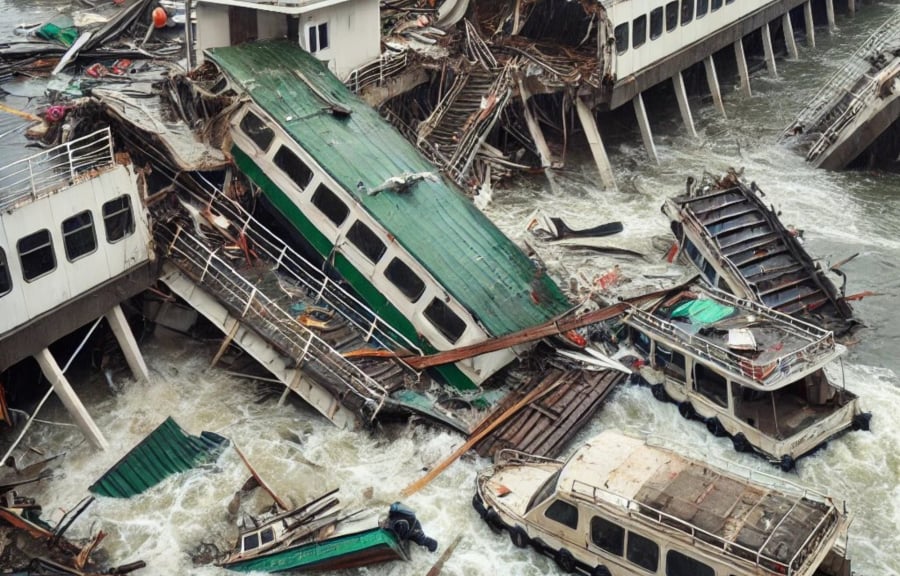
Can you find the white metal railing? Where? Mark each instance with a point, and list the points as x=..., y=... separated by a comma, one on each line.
x=258, y=311
x=377, y=71
x=306, y=275
x=46, y=172
x=820, y=343
x=827, y=524
x=860, y=97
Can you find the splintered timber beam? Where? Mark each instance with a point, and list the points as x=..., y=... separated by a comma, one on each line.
x=646, y=135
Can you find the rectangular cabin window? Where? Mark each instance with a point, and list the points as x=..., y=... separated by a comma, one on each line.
x=330, y=205
x=403, y=277
x=295, y=168
x=677, y=564
x=670, y=361
x=702, y=8
x=36, y=254
x=639, y=30
x=656, y=23
x=445, y=320
x=621, y=33
x=711, y=384
x=317, y=37
x=642, y=551
x=671, y=16
x=251, y=541
x=608, y=536
x=267, y=535
x=78, y=235
x=641, y=341
x=5, y=280
x=257, y=130
x=367, y=241
x=687, y=11
x=118, y=219
x=564, y=513
x=716, y=4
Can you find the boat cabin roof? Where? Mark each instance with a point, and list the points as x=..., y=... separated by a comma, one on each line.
x=779, y=528
x=458, y=245
x=758, y=347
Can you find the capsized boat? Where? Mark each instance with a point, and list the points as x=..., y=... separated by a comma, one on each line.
x=739, y=245
x=319, y=536
x=748, y=372
x=623, y=506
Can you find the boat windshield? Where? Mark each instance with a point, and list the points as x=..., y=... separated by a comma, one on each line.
x=545, y=491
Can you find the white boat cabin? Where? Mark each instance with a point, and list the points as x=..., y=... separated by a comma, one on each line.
x=342, y=33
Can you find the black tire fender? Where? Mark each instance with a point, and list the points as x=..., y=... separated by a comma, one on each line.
x=565, y=561
x=601, y=570
x=741, y=444
x=659, y=392
x=686, y=410
x=519, y=537
x=715, y=427
x=493, y=521
x=786, y=463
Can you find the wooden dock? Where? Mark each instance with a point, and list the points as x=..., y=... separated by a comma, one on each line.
x=566, y=402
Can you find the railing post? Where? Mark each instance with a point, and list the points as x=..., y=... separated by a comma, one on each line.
x=112, y=152
x=31, y=179
x=71, y=161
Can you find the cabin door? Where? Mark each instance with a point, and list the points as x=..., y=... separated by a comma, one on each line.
x=242, y=25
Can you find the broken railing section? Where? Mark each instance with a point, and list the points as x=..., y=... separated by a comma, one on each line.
x=346, y=382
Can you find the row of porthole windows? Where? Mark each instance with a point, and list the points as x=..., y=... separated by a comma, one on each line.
x=637, y=549
x=659, y=16
x=36, y=254
x=400, y=274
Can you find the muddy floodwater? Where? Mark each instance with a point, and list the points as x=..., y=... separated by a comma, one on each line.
x=301, y=455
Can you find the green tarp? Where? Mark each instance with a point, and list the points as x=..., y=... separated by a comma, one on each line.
x=702, y=311
x=166, y=451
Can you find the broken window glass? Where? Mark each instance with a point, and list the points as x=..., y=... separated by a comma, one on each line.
x=36, y=255
x=656, y=23
x=621, y=32
x=445, y=320
x=257, y=130
x=639, y=29
x=403, y=277
x=293, y=167
x=330, y=205
x=78, y=235
x=367, y=241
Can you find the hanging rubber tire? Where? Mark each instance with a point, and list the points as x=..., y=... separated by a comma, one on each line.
x=493, y=521
x=519, y=537
x=659, y=392
x=786, y=463
x=565, y=561
x=715, y=427
x=741, y=444
x=686, y=410
x=601, y=570
x=478, y=505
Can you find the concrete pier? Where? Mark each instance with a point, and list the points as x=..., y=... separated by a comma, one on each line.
x=743, y=71
x=768, y=52
x=810, y=24
x=829, y=12
x=589, y=123
x=54, y=374
x=712, y=79
x=683, y=104
x=641, y=112
x=534, y=128
x=789, y=40
x=127, y=343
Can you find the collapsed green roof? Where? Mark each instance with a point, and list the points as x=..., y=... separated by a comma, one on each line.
x=166, y=451
x=464, y=251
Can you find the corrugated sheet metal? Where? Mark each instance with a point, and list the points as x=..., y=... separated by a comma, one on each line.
x=166, y=451
x=434, y=221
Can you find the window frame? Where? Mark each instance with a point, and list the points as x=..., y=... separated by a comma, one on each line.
x=289, y=162
x=687, y=9
x=715, y=5
x=631, y=550
x=701, y=9
x=639, y=31
x=452, y=336
x=691, y=568
x=366, y=240
x=565, y=519
x=264, y=130
x=69, y=234
x=392, y=274
x=5, y=277
x=322, y=196
x=128, y=230
x=619, y=549
x=622, y=42
x=672, y=15
x=656, y=24
x=45, y=245
x=313, y=35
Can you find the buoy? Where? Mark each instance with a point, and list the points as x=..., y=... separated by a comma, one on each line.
x=160, y=17
x=55, y=113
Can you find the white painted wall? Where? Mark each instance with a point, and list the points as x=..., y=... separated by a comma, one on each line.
x=28, y=300
x=354, y=30
x=212, y=28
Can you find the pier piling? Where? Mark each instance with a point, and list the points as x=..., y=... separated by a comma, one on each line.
x=742, y=67
x=712, y=79
x=768, y=52
x=641, y=112
x=789, y=41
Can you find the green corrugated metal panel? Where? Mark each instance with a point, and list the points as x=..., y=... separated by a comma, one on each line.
x=166, y=451
x=459, y=245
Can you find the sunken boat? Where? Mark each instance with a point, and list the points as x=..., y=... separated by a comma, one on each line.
x=624, y=506
x=747, y=371
x=739, y=245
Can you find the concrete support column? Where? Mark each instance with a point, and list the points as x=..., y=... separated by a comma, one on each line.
x=646, y=135
x=810, y=24
x=683, y=104
x=789, y=41
x=768, y=52
x=127, y=343
x=743, y=72
x=589, y=123
x=70, y=400
x=534, y=128
x=851, y=7
x=712, y=79
x=829, y=11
